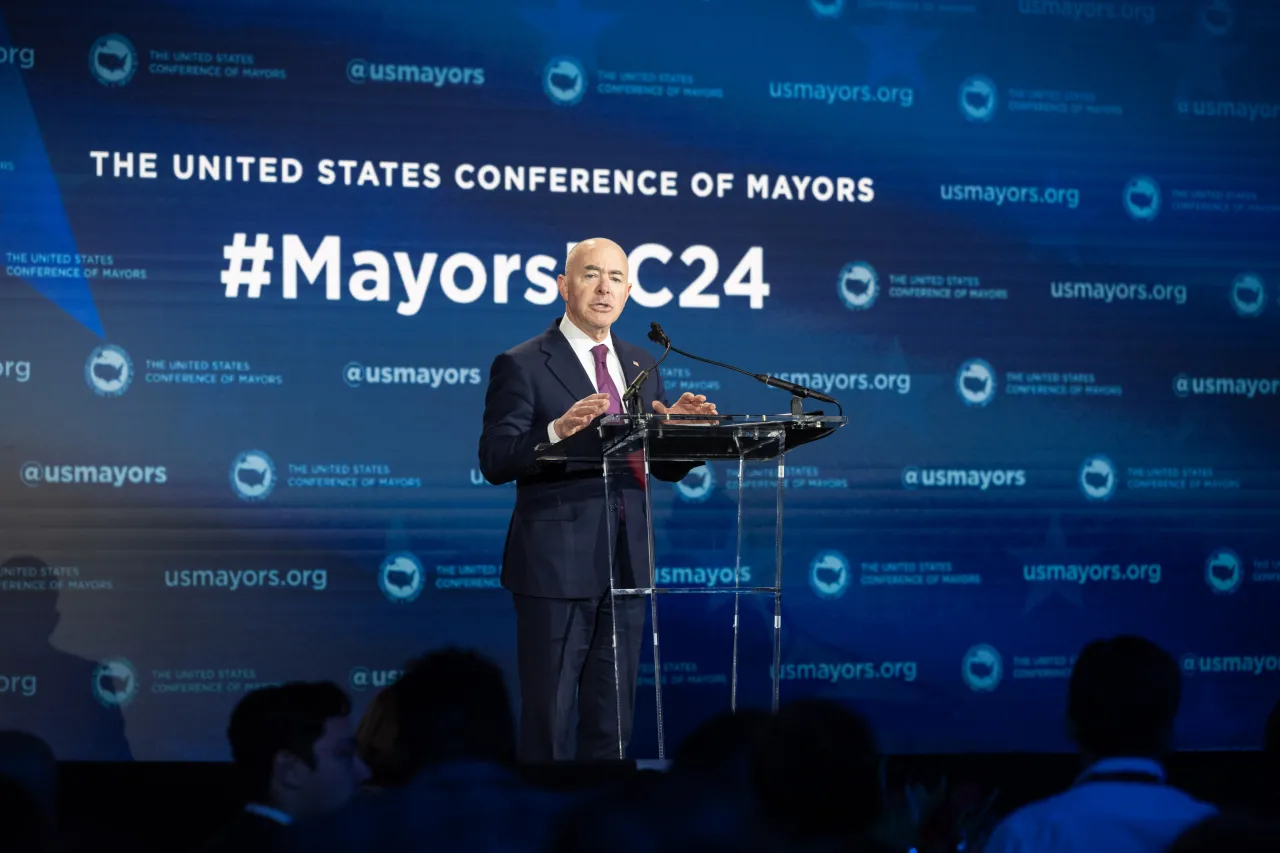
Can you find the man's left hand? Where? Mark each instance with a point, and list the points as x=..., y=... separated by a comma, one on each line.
x=688, y=404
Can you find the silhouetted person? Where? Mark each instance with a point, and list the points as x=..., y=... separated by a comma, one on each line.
x=63, y=698
x=815, y=776
x=721, y=746
x=653, y=813
x=376, y=739
x=1122, y=700
x=295, y=750
x=27, y=760
x=456, y=735
x=1270, y=805
x=1229, y=834
x=24, y=825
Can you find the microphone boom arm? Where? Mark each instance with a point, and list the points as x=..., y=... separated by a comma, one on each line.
x=797, y=391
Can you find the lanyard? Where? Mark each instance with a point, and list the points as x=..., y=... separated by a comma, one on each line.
x=1132, y=776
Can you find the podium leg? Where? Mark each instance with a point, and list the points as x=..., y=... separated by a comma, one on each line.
x=653, y=600
x=737, y=597
x=777, y=578
x=611, y=502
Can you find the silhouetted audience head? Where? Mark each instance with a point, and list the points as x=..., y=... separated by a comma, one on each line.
x=28, y=761
x=658, y=813
x=453, y=705
x=376, y=739
x=1228, y=834
x=295, y=748
x=1123, y=698
x=815, y=772
x=1271, y=738
x=721, y=746
x=26, y=826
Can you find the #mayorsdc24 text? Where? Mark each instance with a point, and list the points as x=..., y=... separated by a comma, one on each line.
x=463, y=277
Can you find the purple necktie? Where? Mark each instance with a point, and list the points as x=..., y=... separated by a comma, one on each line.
x=604, y=385
x=604, y=382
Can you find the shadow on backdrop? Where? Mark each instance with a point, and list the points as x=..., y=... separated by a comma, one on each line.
x=70, y=702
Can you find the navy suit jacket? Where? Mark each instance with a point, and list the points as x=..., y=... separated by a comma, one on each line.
x=557, y=544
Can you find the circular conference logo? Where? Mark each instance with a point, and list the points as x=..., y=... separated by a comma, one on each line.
x=401, y=577
x=978, y=98
x=1216, y=17
x=976, y=382
x=829, y=575
x=109, y=371
x=858, y=285
x=1248, y=294
x=253, y=475
x=982, y=668
x=564, y=80
x=115, y=682
x=827, y=8
x=113, y=60
x=697, y=485
x=1223, y=572
x=1142, y=198
x=1098, y=478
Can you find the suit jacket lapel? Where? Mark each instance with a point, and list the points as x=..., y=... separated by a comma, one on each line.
x=565, y=365
x=630, y=357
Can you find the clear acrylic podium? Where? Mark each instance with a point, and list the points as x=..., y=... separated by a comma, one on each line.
x=616, y=440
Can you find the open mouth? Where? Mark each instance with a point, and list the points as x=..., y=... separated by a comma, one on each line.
x=602, y=306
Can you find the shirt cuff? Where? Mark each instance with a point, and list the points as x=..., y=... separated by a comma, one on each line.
x=551, y=433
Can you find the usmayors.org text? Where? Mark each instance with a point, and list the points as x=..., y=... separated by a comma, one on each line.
x=829, y=382
x=999, y=194
x=1092, y=573
x=1118, y=291
x=837, y=671
x=236, y=579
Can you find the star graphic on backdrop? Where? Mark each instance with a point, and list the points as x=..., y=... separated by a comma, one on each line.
x=895, y=51
x=1189, y=427
x=568, y=27
x=1202, y=60
x=397, y=538
x=1066, y=237
x=1053, y=551
x=904, y=413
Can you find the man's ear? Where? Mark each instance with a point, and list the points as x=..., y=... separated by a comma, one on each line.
x=288, y=771
x=560, y=285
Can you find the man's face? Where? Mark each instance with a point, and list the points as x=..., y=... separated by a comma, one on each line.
x=594, y=285
x=338, y=773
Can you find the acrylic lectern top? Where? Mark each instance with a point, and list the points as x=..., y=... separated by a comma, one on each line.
x=691, y=437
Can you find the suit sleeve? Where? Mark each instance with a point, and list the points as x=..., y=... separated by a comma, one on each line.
x=510, y=435
x=669, y=472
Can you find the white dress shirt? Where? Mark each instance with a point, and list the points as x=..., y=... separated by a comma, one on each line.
x=582, y=343
x=269, y=813
x=1103, y=816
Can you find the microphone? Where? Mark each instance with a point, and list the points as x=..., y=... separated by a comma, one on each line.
x=658, y=336
x=633, y=390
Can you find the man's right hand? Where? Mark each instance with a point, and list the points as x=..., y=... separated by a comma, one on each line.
x=580, y=414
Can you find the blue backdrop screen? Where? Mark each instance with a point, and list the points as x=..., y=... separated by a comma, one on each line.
x=257, y=259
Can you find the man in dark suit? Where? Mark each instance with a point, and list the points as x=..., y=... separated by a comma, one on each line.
x=556, y=562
